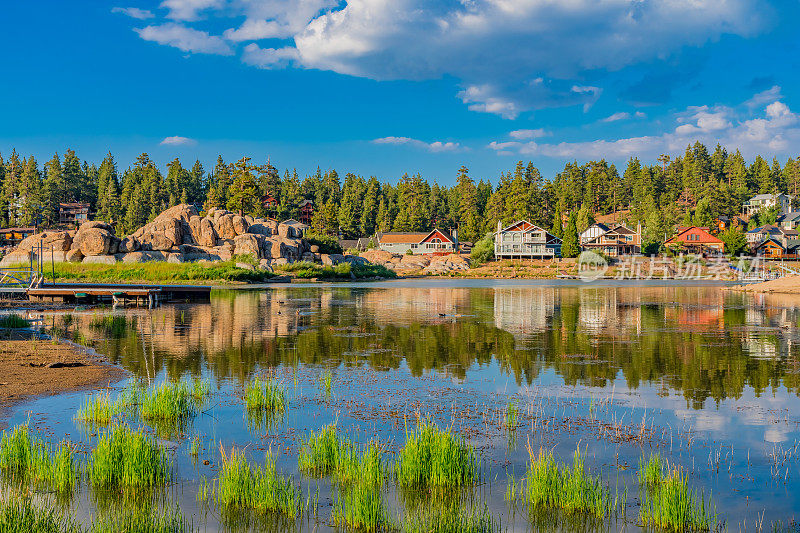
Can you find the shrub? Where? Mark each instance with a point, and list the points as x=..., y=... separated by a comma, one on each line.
x=14, y=321
x=483, y=250
x=326, y=243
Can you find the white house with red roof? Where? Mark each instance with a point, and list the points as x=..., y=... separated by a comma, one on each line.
x=524, y=240
x=434, y=242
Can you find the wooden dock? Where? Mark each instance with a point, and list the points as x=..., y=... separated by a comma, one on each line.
x=147, y=295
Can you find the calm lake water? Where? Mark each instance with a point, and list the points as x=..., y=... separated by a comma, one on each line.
x=707, y=377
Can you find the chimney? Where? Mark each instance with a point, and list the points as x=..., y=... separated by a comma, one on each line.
x=454, y=234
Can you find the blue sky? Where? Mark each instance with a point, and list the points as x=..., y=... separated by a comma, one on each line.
x=382, y=87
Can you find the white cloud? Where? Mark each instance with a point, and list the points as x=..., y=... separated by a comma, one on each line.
x=622, y=115
x=177, y=141
x=134, y=12
x=509, y=56
x=437, y=146
x=189, y=10
x=186, y=39
x=276, y=19
x=528, y=134
x=268, y=58
x=771, y=130
x=480, y=98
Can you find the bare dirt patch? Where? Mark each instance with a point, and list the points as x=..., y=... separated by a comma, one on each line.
x=35, y=367
x=784, y=285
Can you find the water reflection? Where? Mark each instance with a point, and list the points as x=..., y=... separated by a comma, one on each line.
x=705, y=342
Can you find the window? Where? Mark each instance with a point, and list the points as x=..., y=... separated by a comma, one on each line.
x=414, y=246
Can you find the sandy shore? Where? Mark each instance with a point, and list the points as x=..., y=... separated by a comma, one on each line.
x=785, y=285
x=31, y=368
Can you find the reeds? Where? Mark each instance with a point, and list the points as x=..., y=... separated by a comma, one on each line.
x=325, y=383
x=14, y=321
x=99, y=409
x=259, y=489
x=142, y=520
x=360, y=506
x=169, y=402
x=28, y=460
x=327, y=454
x=512, y=415
x=19, y=515
x=450, y=518
x=433, y=457
x=667, y=501
x=127, y=459
x=572, y=489
x=264, y=395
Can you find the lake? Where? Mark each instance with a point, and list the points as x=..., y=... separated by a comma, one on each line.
x=705, y=377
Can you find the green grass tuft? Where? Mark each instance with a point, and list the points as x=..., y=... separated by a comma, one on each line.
x=28, y=460
x=19, y=515
x=572, y=489
x=99, y=409
x=667, y=501
x=14, y=321
x=360, y=506
x=264, y=395
x=142, y=520
x=259, y=489
x=433, y=457
x=327, y=454
x=125, y=459
x=449, y=518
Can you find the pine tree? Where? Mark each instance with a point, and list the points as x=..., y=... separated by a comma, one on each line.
x=52, y=191
x=570, y=247
x=469, y=226
x=243, y=193
x=371, y=204
x=351, y=207
x=557, y=229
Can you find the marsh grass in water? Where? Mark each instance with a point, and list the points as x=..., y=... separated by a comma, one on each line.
x=327, y=454
x=667, y=500
x=571, y=488
x=325, y=383
x=433, y=457
x=360, y=506
x=125, y=459
x=257, y=488
x=512, y=415
x=20, y=515
x=25, y=459
x=99, y=409
x=450, y=518
x=113, y=326
x=14, y=321
x=145, y=519
x=264, y=395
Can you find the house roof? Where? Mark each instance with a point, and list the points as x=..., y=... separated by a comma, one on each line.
x=769, y=229
x=596, y=225
x=794, y=215
x=523, y=225
x=305, y=202
x=705, y=236
x=771, y=240
x=765, y=196
x=621, y=230
x=77, y=205
x=403, y=237
x=411, y=237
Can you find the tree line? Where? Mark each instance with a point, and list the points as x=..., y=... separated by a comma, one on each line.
x=693, y=188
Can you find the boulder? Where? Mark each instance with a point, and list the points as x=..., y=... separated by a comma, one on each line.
x=355, y=260
x=280, y=261
x=128, y=244
x=73, y=256
x=141, y=257
x=313, y=249
x=50, y=240
x=265, y=264
x=336, y=258
x=161, y=233
x=181, y=212
x=100, y=259
x=246, y=266
x=378, y=256
x=289, y=231
x=248, y=244
x=260, y=228
x=206, y=235
x=96, y=224
x=326, y=260
x=175, y=258
x=17, y=257
x=309, y=257
x=95, y=241
x=240, y=224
